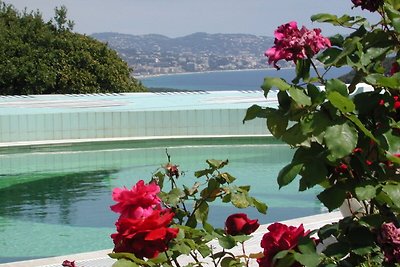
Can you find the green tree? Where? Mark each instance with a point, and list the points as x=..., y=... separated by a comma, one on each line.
x=38, y=57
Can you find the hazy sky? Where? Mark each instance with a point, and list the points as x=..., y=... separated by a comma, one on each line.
x=181, y=17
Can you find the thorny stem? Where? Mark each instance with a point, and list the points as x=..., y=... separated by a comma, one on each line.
x=194, y=256
x=320, y=78
x=220, y=259
x=168, y=258
x=244, y=254
x=176, y=262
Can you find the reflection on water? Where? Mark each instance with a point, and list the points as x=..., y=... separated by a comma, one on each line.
x=60, y=197
x=73, y=199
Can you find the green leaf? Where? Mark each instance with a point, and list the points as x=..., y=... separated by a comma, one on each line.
x=332, y=197
x=306, y=245
x=324, y=17
x=202, y=212
x=227, y=177
x=299, y=96
x=253, y=112
x=227, y=242
x=338, y=250
x=336, y=85
x=277, y=123
x=260, y=206
x=309, y=260
x=174, y=196
x=126, y=258
x=294, y=135
x=320, y=122
x=365, y=191
x=125, y=263
x=302, y=70
x=239, y=200
x=344, y=104
x=288, y=173
x=330, y=56
x=344, y=20
x=393, y=141
x=204, y=250
x=317, y=96
x=340, y=139
x=314, y=172
x=217, y=164
x=230, y=262
x=381, y=80
x=361, y=126
x=392, y=189
x=202, y=173
x=284, y=100
x=191, y=222
x=284, y=258
x=274, y=82
x=183, y=248
x=208, y=227
x=394, y=16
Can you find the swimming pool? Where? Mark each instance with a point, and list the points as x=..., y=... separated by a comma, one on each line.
x=54, y=200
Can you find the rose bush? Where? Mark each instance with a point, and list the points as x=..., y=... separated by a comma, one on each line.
x=346, y=139
x=346, y=142
x=163, y=224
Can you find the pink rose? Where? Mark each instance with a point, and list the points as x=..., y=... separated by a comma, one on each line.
x=145, y=237
x=240, y=224
x=280, y=237
x=137, y=202
x=292, y=43
x=389, y=239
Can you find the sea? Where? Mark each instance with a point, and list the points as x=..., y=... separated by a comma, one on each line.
x=226, y=80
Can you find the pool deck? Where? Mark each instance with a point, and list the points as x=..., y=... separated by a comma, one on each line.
x=120, y=102
x=101, y=259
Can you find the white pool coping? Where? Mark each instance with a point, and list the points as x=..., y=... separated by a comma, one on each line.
x=101, y=259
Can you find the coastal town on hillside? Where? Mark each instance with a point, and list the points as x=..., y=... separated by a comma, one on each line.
x=157, y=54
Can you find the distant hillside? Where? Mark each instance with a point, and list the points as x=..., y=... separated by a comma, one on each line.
x=154, y=54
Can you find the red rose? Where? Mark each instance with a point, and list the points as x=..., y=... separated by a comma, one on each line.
x=145, y=237
x=68, y=263
x=172, y=170
x=240, y=224
x=137, y=202
x=370, y=5
x=395, y=68
x=280, y=237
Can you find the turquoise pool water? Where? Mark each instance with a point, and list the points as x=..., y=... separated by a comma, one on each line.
x=54, y=200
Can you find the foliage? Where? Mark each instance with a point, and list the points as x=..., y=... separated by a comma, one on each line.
x=346, y=142
x=38, y=57
x=192, y=233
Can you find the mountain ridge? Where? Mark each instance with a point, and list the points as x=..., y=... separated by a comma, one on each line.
x=200, y=51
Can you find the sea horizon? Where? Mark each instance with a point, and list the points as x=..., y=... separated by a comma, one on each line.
x=206, y=71
x=224, y=80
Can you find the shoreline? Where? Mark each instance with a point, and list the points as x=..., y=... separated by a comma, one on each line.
x=201, y=72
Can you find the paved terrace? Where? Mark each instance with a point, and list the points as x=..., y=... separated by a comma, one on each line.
x=100, y=258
